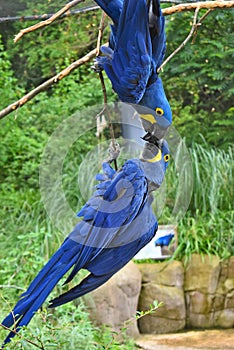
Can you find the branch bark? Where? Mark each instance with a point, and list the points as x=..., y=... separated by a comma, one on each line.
x=201, y=5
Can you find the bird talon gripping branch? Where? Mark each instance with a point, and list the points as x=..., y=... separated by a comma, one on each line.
x=96, y=67
x=114, y=151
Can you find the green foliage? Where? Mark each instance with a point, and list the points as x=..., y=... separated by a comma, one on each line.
x=44, y=52
x=8, y=83
x=206, y=234
x=199, y=79
x=207, y=227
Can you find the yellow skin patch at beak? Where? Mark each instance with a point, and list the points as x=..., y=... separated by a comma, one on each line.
x=149, y=117
x=157, y=158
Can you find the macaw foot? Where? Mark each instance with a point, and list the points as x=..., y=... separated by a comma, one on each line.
x=96, y=66
x=114, y=150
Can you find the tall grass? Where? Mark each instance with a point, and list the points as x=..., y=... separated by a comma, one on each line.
x=208, y=225
x=213, y=179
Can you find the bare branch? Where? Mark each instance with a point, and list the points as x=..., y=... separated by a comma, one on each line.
x=192, y=32
x=194, y=27
x=202, y=5
x=48, y=21
x=100, y=33
x=55, y=79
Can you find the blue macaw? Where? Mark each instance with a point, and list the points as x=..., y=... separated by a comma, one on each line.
x=117, y=221
x=164, y=240
x=136, y=50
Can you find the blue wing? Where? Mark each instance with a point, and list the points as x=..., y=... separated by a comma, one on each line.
x=129, y=66
x=104, y=241
x=157, y=33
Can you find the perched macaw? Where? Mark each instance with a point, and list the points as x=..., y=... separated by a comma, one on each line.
x=136, y=50
x=164, y=240
x=117, y=221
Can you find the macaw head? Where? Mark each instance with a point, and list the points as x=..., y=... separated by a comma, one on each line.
x=154, y=110
x=155, y=158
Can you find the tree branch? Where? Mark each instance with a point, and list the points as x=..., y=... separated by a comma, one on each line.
x=48, y=15
x=202, y=5
x=67, y=14
x=192, y=31
x=55, y=79
x=48, y=21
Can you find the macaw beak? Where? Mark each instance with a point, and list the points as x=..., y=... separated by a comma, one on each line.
x=155, y=135
x=152, y=139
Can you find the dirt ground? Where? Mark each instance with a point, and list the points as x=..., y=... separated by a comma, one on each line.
x=191, y=340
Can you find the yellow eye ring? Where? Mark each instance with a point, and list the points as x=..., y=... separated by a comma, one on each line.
x=167, y=157
x=159, y=111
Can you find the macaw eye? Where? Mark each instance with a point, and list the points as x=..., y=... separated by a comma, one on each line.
x=167, y=157
x=159, y=111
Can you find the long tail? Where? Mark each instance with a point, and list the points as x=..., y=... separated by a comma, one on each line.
x=41, y=286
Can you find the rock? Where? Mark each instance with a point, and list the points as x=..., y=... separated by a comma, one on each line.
x=200, y=320
x=200, y=303
x=231, y=267
x=116, y=301
x=166, y=286
x=224, y=318
x=202, y=273
x=166, y=273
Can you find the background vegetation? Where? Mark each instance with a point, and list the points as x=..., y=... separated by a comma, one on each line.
x=198, y=82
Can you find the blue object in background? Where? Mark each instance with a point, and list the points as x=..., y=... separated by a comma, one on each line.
x=164, y=240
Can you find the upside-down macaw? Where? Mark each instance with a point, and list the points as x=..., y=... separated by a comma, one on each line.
x=117, y=221
x=136, y=50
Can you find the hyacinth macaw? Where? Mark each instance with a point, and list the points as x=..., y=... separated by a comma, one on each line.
x=136, y=50
x=117, y=221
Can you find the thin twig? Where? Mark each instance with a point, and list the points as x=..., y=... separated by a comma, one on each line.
x=199, y=23
x=48, y=21
x=194, y=27
x=100, y=33
x=10, y=286
x=105, y=108
x=22, y=337
x=49, y=15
